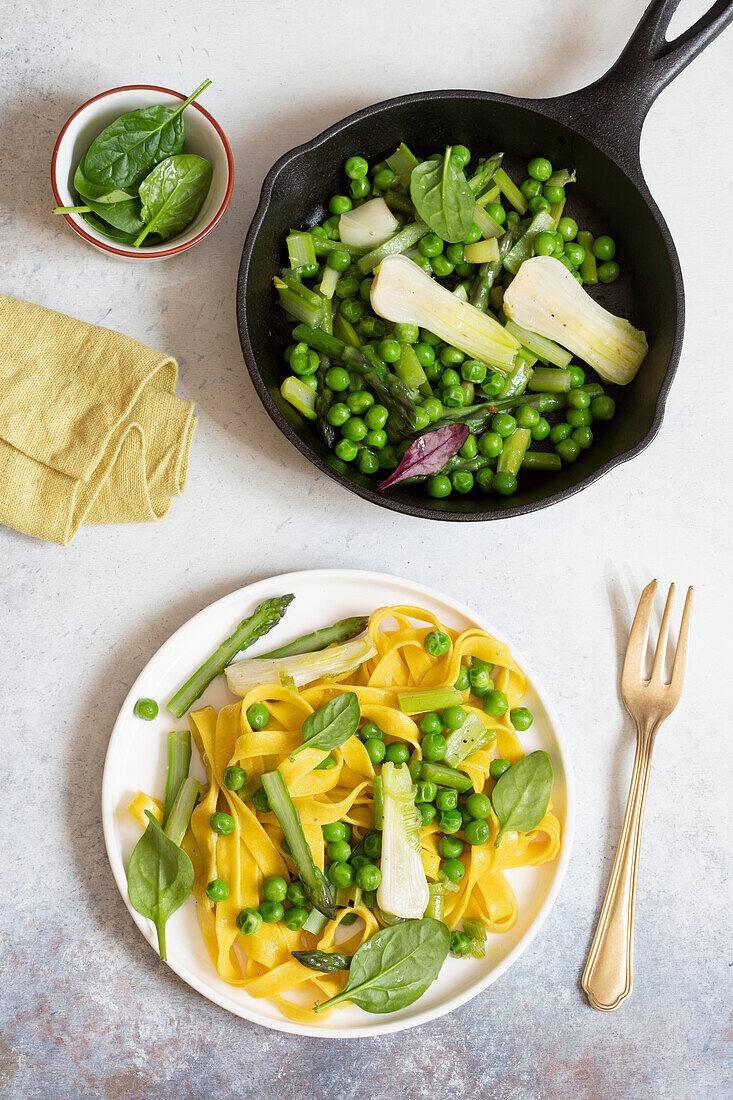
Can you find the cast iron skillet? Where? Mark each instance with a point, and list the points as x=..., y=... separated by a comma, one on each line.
x=596, y=131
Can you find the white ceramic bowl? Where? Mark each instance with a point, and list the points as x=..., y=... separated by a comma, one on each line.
x=204, y=136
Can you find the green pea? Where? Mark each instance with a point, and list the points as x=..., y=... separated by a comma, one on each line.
x=424, y=263
x=426, y=791
x=450, y=377
x=431, y=723
x=337, y=260
x=493, y=384
x=359, y=860
x=603, y=407
x=339, y=851
x=339, y=204
x=453, y=397
x=356, y=168
x=558, y=432
x=433, y=407
x=296, y=894
x=539, y=169
x=505, y=483
x=310, y=381
x=498, y=767
x=469, y=448
x=527, y=417
x=433, y=746
x=530, y=188
x=375, y=417
x=397, y=753
x=384, y=179
x=421, y=419
x=490, y=444
x=453, y=870
x=583, y=437
x=425, y=354
x=337, y=379
x=567, y=228
x=415, y=769
x=372, y=328
x=365, y=288
x=377, y=440
x=147, y=709
x=389, y=350
x=258, y=716
x=474, y=234
x=503, y=424
x=331, y=226
x=296, y=917
x=427, y=812
x=249, y=922
x=521, y=718
x=478, y=805
x=371, y=729
x=577, y=376
x=455, y=253
x=485, y=480
x=446, y=799
x=373, y=845
x=359, y=402
x=454, y=716
x=308, y=271
x=462, y=481
x=608, y=272
x=338, y=414
x=481, y=681
x=234, y=778
x=436, y=643
x=217, y=890
x=544, y=244
x=442, y=266
x=513, y=217
x=477, y=832
x=274, y=888
x=450, y=821
x=539, y=202
x=223, y=824
x=376, y=750
x=336, y=830
x=579, y=418
x=272, y=911
x=460, y=944
x=341, y=874
x=430, y=245
x=439, y=486
x=460, y=155
x=260, y=801
x=604, y=248
x=462, y=682
x=496, y=704
x=541, y=429
x=368, y=877
x=496, y=211
x=450, y=847
x=346, y=450
x=354, y=429
x=568, y=450
x=578, y=399
x=352, y=310
x=575, y=253
x=452, y=357
x=553, y=194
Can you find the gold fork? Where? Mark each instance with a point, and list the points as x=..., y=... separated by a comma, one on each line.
x=608, y=977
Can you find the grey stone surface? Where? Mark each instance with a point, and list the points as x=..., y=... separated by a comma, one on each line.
x=86, y=1008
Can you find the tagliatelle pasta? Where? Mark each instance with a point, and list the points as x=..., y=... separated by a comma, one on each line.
x=263, y=964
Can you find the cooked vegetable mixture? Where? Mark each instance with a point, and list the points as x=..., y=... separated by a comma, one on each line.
x=135, y=183
x=378, y=783
x=436, y=314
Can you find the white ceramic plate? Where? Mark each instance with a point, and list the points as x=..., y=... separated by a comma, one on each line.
x=137, y=760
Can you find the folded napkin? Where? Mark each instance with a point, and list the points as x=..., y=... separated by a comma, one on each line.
x=91, y=430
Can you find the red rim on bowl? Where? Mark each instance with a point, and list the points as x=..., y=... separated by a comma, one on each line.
x=137, y=252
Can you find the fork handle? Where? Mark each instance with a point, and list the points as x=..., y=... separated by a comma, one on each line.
x=608, y=977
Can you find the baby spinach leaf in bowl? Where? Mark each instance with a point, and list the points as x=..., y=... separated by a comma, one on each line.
x=173, y=193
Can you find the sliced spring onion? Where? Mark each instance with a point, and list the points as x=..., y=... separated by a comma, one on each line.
x=402, y=163
x=482, y=252
x=300, y=248
x=300, y=396
x=513, y=451
x=329, y=281
x=488, y=225
x=511, y=191
x=467, y=739
x=423, y=700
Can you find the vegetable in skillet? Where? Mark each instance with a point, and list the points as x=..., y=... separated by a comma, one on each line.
x=266, y=616
x=135, y=180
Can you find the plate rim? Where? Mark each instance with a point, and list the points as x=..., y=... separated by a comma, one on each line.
x=292, y=1027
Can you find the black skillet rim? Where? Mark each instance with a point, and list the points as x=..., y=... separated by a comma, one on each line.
x=417, y=509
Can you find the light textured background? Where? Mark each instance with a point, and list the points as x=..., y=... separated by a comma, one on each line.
x=87, y=1009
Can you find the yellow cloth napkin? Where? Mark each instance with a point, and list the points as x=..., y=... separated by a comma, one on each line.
x=91, y=430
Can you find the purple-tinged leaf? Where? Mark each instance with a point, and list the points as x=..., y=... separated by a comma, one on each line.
x=429, y=453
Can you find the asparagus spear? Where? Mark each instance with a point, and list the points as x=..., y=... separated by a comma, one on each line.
x=482, y=178
x=181, y=811
x=267, y=615
x=325, y=961
x=179, y=759
x=488, y=272
x=324, y=401
x=342, y=631
x=314, y=881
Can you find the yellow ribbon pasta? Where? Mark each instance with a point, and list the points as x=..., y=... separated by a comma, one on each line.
x=263, y=964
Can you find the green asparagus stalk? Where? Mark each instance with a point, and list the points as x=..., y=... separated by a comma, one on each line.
x=444, y=776
x=314, y=881
x=267, y=615
x=325, y=961
x=588, y=268
x=481, y=179
x=324, y=401
x=541, y=460
x=179, y=760
x=488, y=272
x=401, y=241
x=342, y=631
x=513, y=451
x=551, y=380
x=181, y=811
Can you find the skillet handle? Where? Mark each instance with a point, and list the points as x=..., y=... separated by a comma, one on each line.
x=611, y=111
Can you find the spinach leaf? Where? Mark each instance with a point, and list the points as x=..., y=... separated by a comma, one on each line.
x=124, y=153
x=106, y=230
x=395, y=967
x=173, y=193
x=324, y=961
x=159, y=878
x=332, y=724
x=124, y=216
x=442, y=197
x=100, y=193
x=522, y=794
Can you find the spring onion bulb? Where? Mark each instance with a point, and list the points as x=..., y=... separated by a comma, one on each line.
x=545, y=298
x=368, y=225
x=403, y=292
x=403, y=891
x=302, y=669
